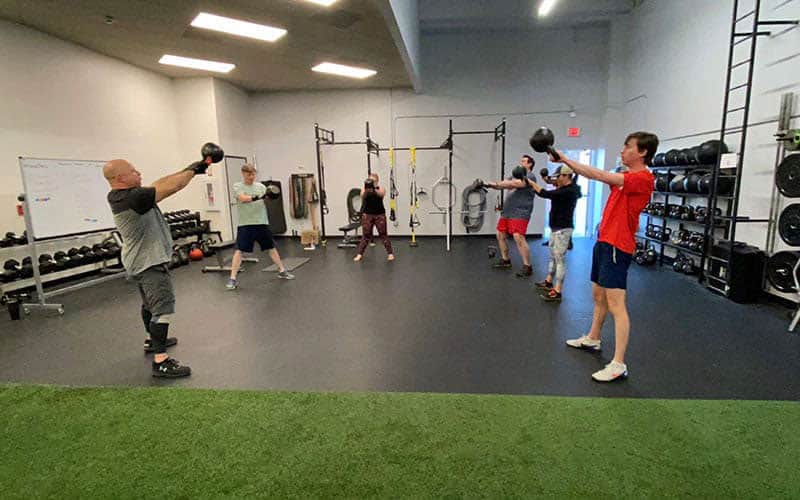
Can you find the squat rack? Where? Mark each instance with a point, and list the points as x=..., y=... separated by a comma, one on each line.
x=325, y=137
x=499, y=134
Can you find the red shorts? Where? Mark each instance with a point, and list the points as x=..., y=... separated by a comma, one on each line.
x=512, y=226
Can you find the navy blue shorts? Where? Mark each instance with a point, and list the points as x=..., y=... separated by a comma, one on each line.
x=247, y=236
x=610, y=266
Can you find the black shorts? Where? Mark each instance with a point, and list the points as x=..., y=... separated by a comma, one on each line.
x=610, y=266
x=247, y=236
x=155, y=287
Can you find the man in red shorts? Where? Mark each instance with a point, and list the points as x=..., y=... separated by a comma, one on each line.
x=517, y=210
x=630, y=192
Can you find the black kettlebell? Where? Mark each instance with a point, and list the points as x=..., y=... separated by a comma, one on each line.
x=542, y=142
x=212, y=152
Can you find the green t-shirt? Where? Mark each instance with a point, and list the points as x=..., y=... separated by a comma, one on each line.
x=255, y=212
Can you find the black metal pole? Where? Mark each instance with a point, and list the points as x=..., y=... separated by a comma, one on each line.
x=369, y=160
x=708, y=235
x=450, y=188
x=503, y=160
x=321, y=183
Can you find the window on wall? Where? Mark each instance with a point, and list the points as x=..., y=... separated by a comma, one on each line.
x=589, y=208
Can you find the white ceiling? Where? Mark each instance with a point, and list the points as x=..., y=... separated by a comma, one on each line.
x=350, y=32
x=442, y=16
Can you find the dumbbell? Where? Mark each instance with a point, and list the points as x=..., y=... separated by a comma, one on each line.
x=88, y=255
x=61, y=260
x=100, y=251
x=75, y=257
x=26, y=270
x=11, y=269
x=46, y=264
x=6, y=241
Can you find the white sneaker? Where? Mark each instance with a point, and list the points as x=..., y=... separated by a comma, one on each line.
x=613, y=371
x=584, y=343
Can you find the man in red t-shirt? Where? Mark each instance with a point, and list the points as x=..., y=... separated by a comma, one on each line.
x=612, y=255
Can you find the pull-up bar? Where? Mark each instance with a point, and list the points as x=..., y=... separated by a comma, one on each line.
x=325, y=137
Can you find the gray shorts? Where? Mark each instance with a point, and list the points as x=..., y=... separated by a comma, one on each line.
x=155, y=287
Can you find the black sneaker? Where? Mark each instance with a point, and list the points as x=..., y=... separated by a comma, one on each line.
x=170, y=368
x=569, y=247
x=551, y=296
x=544, y=285
x=546, y=244
x=525, y=272
x=502, y=264
x=148, y=344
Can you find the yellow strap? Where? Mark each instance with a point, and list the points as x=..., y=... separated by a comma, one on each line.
x=391, y=157
x=413, y=152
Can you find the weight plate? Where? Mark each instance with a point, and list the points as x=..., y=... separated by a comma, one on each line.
x=779, y=271
x=787, y=177
x=789, y=225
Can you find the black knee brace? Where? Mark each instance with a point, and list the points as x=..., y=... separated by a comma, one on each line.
x=147, y=317
x=158, y=336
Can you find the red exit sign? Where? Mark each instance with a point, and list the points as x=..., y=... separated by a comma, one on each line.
x=574, y=132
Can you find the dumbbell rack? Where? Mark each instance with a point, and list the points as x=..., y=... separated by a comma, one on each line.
x=684, y=197
x=38, y=282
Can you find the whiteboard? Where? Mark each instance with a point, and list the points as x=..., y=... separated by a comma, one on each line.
x=66, y=197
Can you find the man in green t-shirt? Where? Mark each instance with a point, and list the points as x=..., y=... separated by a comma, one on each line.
x=253, y=225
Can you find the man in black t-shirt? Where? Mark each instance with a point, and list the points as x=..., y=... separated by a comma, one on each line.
x=562, y=210
x=146, y=250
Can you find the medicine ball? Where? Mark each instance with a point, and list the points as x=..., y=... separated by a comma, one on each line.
x=693, y=152
x=692, y=184
x=662, y=182
x=724, y=185
x=710, y=151
x=683, y=157
x=659, y=160
x=671, y=158
x=676, y=185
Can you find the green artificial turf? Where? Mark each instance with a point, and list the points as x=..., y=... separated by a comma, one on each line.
x=179, y=443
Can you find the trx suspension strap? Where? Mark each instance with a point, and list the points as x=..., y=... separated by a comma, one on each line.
x=392, y=190
x=323, y=196
x=413, y=198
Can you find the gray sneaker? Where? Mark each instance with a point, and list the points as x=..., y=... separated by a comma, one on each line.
x=286, y=275
x=232, y=284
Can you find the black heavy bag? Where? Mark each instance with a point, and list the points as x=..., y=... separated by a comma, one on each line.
x=277, y=219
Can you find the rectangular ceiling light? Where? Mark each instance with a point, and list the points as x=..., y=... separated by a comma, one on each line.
x=545, y=7
x=236, y=27
x=325, y=3
x=188, y=62
x=342, y=70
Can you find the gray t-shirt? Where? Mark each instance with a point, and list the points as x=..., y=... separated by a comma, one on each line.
x=519, y=202
x=146, y=240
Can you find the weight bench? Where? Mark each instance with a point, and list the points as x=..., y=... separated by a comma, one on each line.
x=349, y=241
x=221, y=267
x=354, y=216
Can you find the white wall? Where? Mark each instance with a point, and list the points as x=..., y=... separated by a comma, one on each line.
x=675, y=71
x=486, y=76
x=63, y=101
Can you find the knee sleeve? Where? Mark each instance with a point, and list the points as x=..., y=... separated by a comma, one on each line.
x=159, y=330
x=147, y=317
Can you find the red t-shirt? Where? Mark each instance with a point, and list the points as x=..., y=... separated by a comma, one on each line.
x=624, y=205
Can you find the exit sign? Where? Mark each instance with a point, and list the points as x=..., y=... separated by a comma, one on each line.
x=574, y=132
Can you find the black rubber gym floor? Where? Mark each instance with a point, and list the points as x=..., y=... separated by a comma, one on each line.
x=430, y=322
